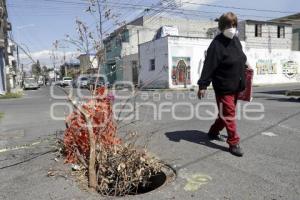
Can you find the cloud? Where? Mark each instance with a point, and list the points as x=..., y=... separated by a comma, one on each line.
x=45, y=58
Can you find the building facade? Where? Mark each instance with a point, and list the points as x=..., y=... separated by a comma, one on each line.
x=70, y=69
x=7, y=72
x=12, y=65
x=295, y=21
x=122, y=54
x=265, y=34
x=177, y=62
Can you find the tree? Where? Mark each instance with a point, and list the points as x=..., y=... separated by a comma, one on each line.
x=36, y=69
x=45, y=71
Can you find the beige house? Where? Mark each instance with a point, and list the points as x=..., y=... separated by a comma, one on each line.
x=88, y=62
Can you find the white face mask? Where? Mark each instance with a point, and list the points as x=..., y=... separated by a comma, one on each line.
x=230, y=32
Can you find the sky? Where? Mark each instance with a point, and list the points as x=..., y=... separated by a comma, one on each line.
x=37, y=24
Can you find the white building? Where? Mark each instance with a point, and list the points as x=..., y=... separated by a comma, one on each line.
x=167, y=61
x=164, y=61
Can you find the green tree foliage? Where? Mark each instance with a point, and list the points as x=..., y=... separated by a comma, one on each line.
x=45, y=71
x=36, y=69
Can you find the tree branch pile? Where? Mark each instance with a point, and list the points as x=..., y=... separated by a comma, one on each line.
x=114, y=167
x=123, y=169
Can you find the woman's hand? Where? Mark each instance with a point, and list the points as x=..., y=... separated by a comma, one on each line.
x=248, y=65
x=201, y=93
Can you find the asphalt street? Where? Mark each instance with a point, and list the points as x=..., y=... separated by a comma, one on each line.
x=270, y=168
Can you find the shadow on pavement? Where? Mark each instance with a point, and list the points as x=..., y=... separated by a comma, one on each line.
x=274, y=92
x=285, y=99
x=195, y=136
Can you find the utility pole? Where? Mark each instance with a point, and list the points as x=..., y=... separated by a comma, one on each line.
x=5, y=29
x=100, y=23
x=18, y=65
x=66, y=71
x=139, y=58
x=22, y=75
x=64, y=59
x=101, y=39
x=54, y=67
x=54, y=51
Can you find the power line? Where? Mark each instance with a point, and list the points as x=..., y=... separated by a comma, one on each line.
x=165, y=8
x=151, y=15
x=239, y=8
x=66, y=2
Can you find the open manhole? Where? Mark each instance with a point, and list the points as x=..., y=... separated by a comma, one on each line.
x=167, y=175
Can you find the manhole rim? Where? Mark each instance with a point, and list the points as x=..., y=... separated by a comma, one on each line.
x=171, y=175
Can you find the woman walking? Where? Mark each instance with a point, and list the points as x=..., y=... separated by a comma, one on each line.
x=224, y=66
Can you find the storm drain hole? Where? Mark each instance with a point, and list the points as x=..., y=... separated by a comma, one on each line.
x=155, y=182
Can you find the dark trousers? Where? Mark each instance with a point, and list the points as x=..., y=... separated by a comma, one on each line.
x=226, y=118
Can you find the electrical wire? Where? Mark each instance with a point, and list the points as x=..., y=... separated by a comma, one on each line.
x=165, y=8
x=239, y=8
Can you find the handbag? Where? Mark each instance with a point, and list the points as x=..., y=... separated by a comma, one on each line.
x=246, y=95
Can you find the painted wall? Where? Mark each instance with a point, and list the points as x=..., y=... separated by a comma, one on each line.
x=279, y=66
x=192, y=48
x=275, y=67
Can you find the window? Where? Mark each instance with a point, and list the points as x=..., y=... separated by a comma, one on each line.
x=280, y=32
x=258, y=30
x=125, y=36
x=152, y=64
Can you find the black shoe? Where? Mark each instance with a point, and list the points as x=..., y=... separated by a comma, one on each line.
x=217, y=137
x=236, y=150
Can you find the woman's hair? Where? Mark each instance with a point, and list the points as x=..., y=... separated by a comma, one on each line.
x=227, y=19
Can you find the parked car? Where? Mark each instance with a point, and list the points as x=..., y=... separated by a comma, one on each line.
x=30, y=83
x=80, y=82
x=57, y=83
x=66, y=81
x=41, y=81
x=101, y=82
